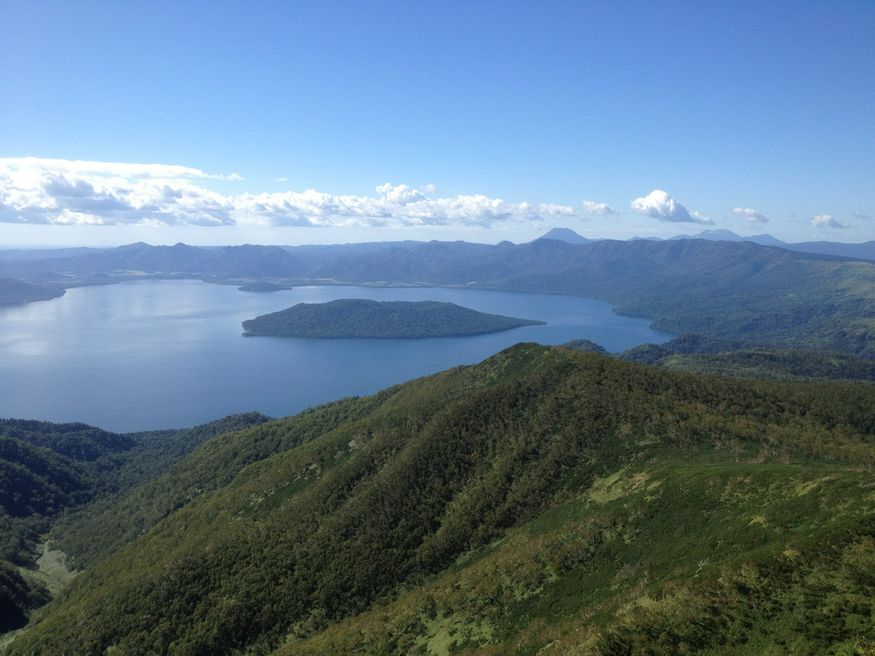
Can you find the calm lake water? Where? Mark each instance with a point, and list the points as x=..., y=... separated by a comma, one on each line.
x=161, y=354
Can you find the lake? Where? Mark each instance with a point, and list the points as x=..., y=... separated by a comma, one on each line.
x=169, y=353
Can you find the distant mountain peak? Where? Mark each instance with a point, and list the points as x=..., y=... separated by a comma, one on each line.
x=719, y=234
x=765, y=240
x=565, y=234
x=728, y=235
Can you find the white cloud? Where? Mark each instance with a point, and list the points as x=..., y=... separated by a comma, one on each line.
x=863, y=216
x=121, y=169
x=751, y=215
x=826, y=221
x=53, y=191
x=598, y=209
x=395, y=205
x=400, y=194
x=659, y=205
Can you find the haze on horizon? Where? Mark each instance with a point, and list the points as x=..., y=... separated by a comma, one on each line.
x=349, y=122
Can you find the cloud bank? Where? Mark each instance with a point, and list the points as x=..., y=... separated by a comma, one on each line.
x=70, y=192
x=659, y=205
x=751, y=215
x=826, y=221
x=598, y=209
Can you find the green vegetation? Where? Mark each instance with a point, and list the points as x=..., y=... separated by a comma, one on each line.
x=585, y=345
x=544, y=501
x=737, y=291
x=783, y=365
x=13, y=292
x=18, y=597
x=47, y=469
x=364, y=318
x=103, y=526
x=707, y=355
x=683, y=345
x=44, y=468
x=262, y=287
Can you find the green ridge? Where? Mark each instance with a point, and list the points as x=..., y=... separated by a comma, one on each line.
x=544, y=501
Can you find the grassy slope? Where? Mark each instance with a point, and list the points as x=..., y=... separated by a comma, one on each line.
x=669, y=554
x=544, y=499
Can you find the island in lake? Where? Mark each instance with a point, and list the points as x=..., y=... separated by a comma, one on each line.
x=262, y=287
x=362, y=318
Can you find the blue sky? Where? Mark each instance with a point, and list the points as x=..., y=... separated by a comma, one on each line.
x=489, y=120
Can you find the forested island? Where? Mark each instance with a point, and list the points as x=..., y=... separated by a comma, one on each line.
x=262, y=287
x=364, y=318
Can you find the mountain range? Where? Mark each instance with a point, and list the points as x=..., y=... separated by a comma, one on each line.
x=864, y=250
x=765, y=295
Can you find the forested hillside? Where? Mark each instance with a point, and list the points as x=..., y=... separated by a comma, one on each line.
x=738, y=359
x=47, y=469
x=545, y=501
x=14, y=292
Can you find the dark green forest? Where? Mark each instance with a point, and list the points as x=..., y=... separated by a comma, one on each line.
x=741, y=359
x=363, y=318
x=547, y=500
x=47, y=470
x=13, y=292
